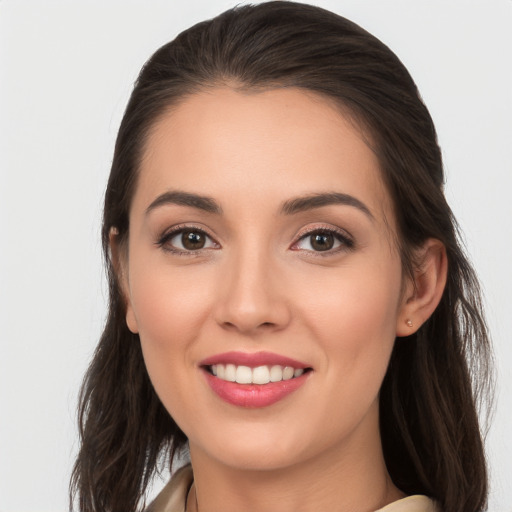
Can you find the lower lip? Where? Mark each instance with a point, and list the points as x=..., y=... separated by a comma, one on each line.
x=254, y=395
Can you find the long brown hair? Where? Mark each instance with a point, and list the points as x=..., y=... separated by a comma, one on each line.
x=428, y=415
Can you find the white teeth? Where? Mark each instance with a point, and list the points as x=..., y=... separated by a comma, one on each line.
x=288, y=373
x=276, y=373
x=260, y=375
x=230, y=373
x=243, y=375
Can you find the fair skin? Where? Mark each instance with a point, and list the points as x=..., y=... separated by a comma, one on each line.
x=258, y=281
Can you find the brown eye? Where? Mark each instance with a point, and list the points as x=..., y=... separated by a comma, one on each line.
x=187, y=240
x=322, y=241
x=193, y=240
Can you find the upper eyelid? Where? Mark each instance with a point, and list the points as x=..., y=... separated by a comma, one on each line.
x=184, y=227
x=324, y=228
x=177, y=229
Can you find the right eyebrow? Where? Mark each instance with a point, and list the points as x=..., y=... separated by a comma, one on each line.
x=178, y=197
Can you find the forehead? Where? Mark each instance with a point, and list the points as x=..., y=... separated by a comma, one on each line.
x=243, y=147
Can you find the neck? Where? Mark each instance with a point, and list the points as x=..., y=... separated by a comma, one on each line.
x=351, y=477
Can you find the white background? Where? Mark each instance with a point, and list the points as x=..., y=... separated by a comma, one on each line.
x=66, y=70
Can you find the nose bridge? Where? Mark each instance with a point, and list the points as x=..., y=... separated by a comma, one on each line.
x=251, y=299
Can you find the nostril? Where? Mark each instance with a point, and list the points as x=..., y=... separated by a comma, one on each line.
x=232, y=325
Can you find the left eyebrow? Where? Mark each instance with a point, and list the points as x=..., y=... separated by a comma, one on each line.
x=312, y=201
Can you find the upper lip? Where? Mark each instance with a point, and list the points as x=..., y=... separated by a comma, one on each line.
x=253, y=360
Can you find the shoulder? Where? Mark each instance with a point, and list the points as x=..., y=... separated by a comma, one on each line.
x=173, y=496
x=415, y=503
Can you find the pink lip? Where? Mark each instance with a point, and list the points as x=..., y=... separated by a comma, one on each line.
x=252, y=360
x=253, y=395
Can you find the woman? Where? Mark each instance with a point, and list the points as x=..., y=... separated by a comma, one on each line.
x=288, y=297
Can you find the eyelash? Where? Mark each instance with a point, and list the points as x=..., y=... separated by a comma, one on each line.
x=169, y=235
x=347, y=243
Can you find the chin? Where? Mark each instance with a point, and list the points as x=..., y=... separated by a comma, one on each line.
x=256, y=449
x=258, y=460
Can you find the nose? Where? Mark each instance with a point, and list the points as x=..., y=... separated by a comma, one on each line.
x=253, y=298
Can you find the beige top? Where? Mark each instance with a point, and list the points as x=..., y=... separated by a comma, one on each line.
x=173, y=497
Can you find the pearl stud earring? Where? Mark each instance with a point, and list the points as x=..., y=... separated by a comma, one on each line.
x=409, y=322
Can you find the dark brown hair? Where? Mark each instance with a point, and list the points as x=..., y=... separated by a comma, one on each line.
x=428, y=415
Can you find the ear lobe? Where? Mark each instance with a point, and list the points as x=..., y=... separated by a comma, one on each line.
x=424, y=294
x=119, y=258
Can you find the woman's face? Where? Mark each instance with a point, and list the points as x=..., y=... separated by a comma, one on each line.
x=262, y=237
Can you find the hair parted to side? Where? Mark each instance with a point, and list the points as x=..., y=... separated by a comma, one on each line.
x=436, y=377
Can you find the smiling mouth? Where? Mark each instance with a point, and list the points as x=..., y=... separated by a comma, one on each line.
x=254, y=380
x=259, y=375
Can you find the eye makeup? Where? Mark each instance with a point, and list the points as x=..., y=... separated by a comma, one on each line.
x=324, y=241
x=190, y=240
x=190, y=236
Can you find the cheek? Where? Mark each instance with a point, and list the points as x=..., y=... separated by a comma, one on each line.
x=168, y=304
x=353, y=321
x=169, y=308
x=352, y=312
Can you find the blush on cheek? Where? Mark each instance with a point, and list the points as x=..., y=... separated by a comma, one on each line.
x=356, y=319
x=170, y=308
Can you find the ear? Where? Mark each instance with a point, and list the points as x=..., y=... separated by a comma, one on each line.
x=422, y=295
x=119, y=258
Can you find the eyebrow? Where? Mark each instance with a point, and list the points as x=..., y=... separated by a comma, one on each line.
x=312, y=201
x=289, y=207
x=204, y=203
